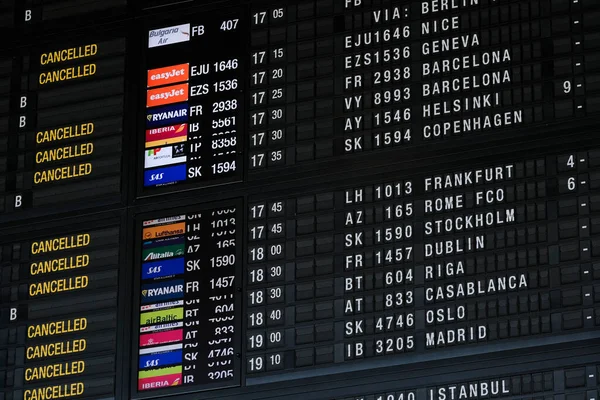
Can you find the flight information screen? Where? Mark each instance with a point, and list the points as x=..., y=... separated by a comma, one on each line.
x=300, y=200
x=317, y=85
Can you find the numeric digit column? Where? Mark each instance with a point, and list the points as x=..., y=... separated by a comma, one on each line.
x=271, y=48
x=266, y=292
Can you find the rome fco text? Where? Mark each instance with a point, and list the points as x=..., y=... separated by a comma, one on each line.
x=441, y=60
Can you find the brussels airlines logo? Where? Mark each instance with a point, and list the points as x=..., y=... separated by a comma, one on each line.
x=166, y=135
x=168, y=75
x=174, y=114
x=167, y=95
x=170, y=35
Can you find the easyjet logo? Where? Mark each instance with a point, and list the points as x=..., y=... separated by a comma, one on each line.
x=167, y=95
x=168, y=75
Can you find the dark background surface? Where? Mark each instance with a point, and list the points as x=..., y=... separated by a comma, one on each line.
x=551, y=366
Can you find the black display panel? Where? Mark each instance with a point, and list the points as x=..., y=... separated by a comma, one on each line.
x=300, y=200
x=59, y=311
x=35, y=18
x=440, y=264
x=189, y=315
x=63, y=127
x=328, y=83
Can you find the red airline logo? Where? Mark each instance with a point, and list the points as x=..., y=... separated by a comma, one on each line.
x=168, y=75
x=166, y=135
x=167, y=95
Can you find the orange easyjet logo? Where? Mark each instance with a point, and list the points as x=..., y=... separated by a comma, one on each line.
x=167, y=95
x=168, y=75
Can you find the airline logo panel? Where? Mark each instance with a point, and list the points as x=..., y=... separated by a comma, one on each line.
x=189, y=315
x=202, y=86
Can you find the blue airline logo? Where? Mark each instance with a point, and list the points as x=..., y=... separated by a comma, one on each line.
x=167, y=115
x=161, y=359
x=154, y=293
x=162, y=176
x=160, y=269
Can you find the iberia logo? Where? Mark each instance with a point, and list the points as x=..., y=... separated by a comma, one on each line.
x=166, y=135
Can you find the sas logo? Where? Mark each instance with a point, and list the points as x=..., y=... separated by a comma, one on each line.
x=163, y=176
x=161, y=269
x=161, y=360
x=167, y=115
x=165, y=156
x=166, y=135
x=170, y=35
x=168, y=75
x=167, y=95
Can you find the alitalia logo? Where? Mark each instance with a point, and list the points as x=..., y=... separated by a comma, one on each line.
x=159, y=253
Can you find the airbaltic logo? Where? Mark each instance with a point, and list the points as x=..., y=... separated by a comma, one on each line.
x=170, y=35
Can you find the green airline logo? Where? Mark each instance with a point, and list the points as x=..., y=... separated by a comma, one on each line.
x=160, y=253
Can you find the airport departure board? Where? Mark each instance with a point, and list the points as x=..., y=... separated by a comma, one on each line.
x=300, y=200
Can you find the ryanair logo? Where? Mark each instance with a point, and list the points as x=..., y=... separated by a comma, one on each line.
x=154, y=293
